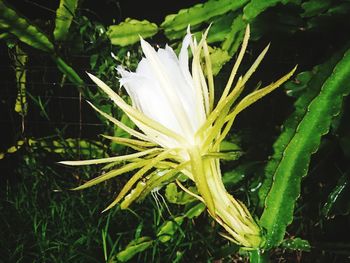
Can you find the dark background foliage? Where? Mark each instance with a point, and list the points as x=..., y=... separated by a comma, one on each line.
x=42, y=221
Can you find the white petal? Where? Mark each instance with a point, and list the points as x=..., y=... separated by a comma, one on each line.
x=147, y=98
x=163, y=72
x=183, y=84
x=183, y=56
x=144, y=69
x=163, y=89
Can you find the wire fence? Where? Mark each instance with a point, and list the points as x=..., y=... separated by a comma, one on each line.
x=53, y=103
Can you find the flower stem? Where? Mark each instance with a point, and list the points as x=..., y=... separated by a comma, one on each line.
x=228, y=212
x=257, y=256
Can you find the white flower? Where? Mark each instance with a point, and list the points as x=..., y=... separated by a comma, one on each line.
x=163, y=89
x=181, y=130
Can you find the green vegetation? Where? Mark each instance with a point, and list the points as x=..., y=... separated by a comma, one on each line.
x=290, y=152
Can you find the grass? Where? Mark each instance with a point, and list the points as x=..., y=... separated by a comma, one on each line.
x=42, y=221
x=44, y=225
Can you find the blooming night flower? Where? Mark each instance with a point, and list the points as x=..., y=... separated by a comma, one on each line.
x=180, y=130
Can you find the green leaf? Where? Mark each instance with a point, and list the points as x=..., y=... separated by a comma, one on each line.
x=177, y=197
x=10, y=21
x=12, y=149
x=195, y=211
x=256, y=7
x=5, y=36
x=234, y=37
x=319, y=76
x=159, y=178
x=315, y=7
x=72, y=146
x=64, y=18
x=129, y=31
x=296, y=87
x=220, y=27
x=328, y=17
x=179, y=255
x=296, y=146
x=258, y=256
x=226, y=146
x=239, y=173
x=20, y=60
x=296, y=244
x=71, y=74
x=340, y=9
x=250, y=12
x=15, y=24
x=198, y=14
x=218, y=57
x=134, y=247
x=338, y=200
x=168, y=229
